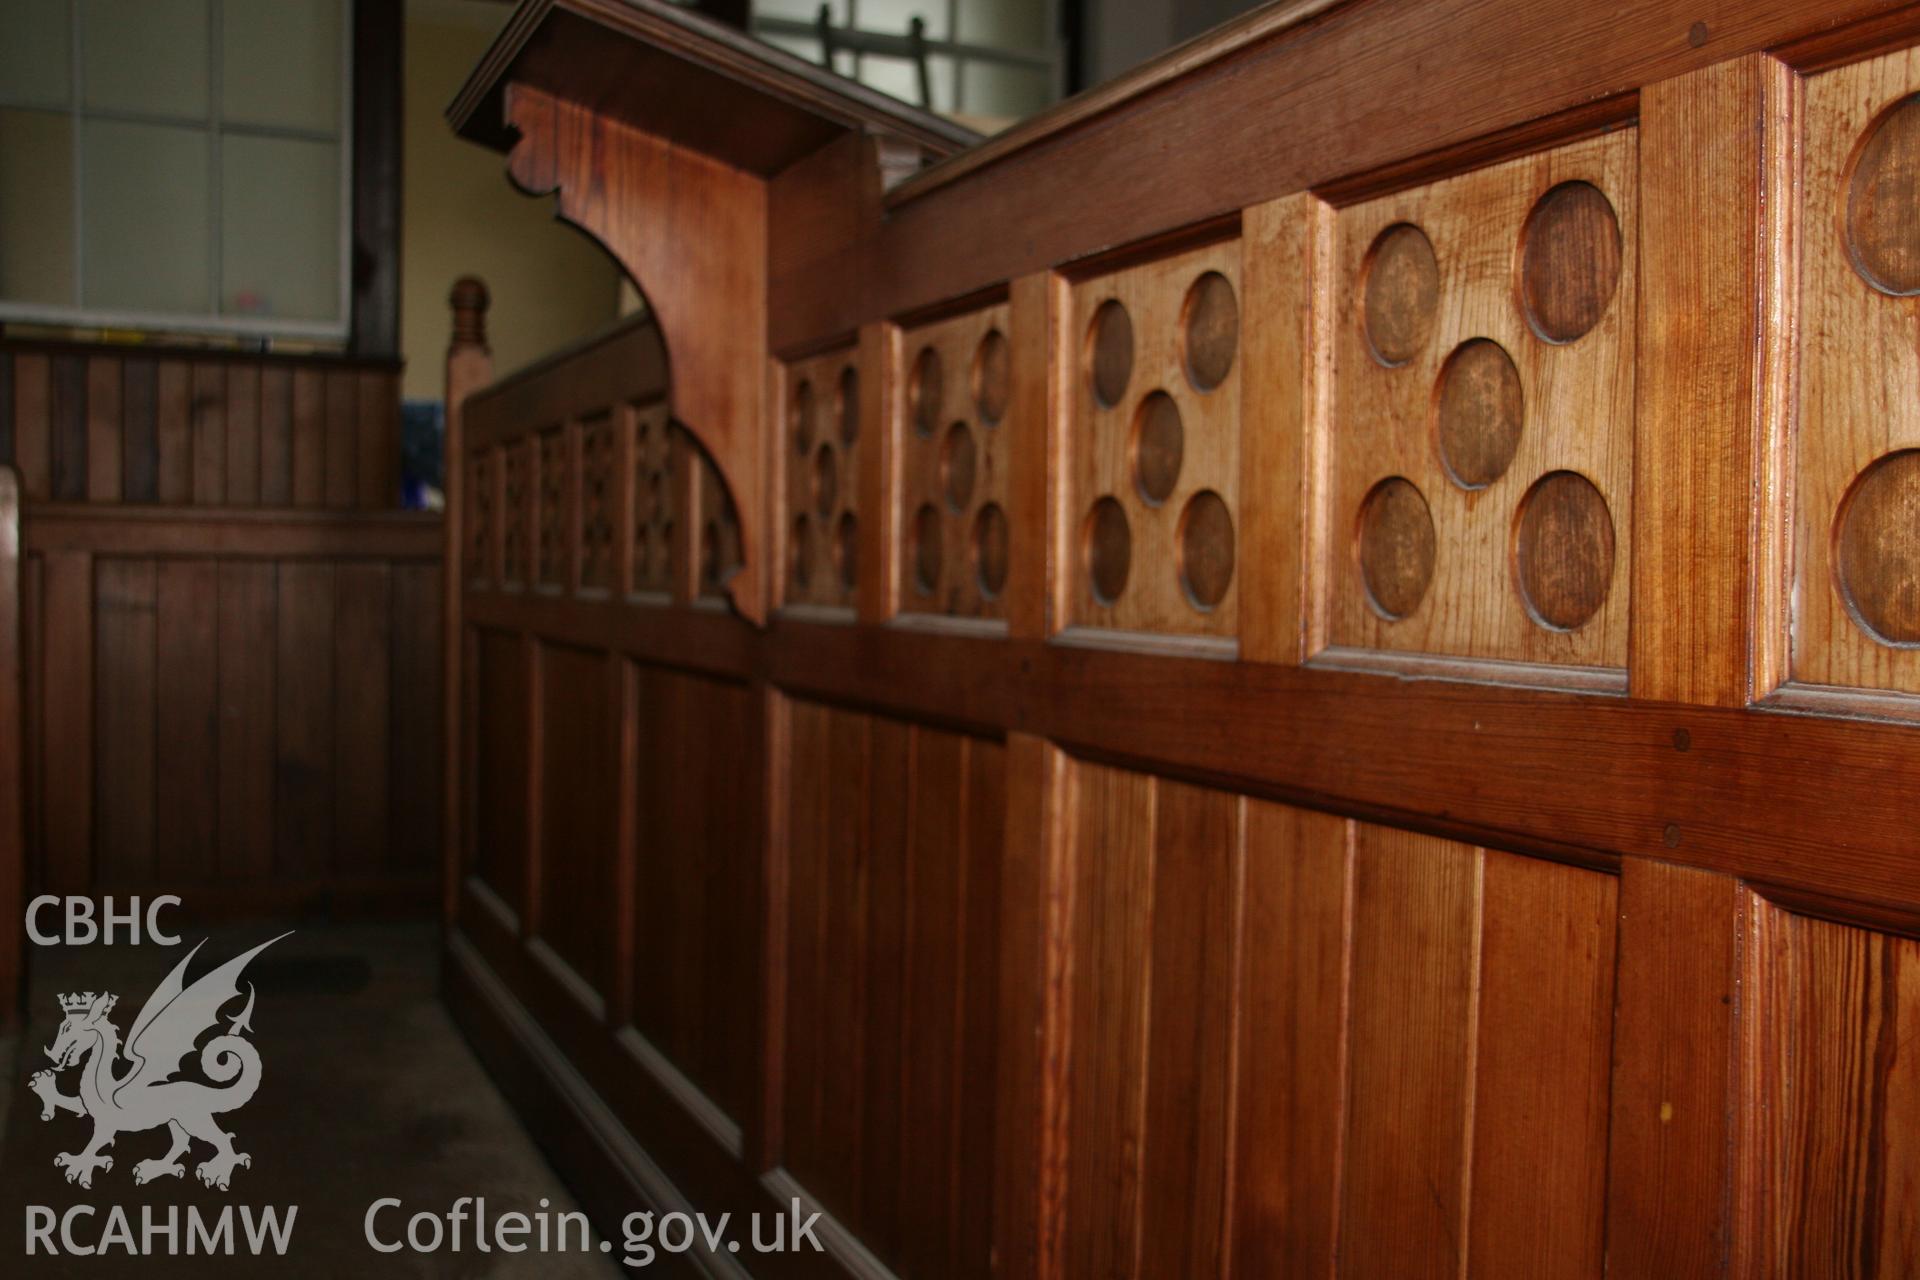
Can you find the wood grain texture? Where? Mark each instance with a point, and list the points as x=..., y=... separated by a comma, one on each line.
x=693, y=233
x=67, y=428
x=579, y=777
x=1416, y=973
x=1669, y=1167
x=1542, y=1069
x=125, y=683
x=1295, y=975
x=105, y=432
x=173, y=429
x=247, y=608
x=1576, y=404
x=1287, y=267
x=1716, y=169
x=32, y=425
x=1301, y=970
x=65, y=676
x=1832, y=1102
x=894, y=859
x=954, y=443
x=820, y=464
x=1853, y=543
x=1129, y=334
x=208, y=417
x=305, y=754
x=186, y=723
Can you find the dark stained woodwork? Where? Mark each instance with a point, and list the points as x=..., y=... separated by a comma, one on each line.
x=111, y=425
x=223, y=694
x=1243, y=938
x=379, y=38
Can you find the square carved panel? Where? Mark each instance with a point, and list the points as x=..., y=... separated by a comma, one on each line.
x=1153, y=459
x=953, y=453
x=1480, y=436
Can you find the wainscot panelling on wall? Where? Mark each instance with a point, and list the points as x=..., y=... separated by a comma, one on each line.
x=1337, y=696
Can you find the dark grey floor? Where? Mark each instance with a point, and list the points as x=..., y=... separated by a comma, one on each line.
x=367, y=1090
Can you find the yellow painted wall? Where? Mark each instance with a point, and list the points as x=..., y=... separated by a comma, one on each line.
x=461, y=216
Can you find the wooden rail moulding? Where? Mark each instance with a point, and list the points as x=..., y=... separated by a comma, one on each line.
x=1304, y=665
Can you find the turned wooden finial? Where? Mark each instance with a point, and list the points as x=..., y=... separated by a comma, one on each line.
x=469, y=299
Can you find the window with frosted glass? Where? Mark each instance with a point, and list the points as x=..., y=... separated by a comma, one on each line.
x=175, y=164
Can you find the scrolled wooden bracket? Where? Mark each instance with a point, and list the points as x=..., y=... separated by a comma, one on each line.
x=692, y=235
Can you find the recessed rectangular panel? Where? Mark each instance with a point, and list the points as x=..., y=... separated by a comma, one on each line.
x=1152, y=473
x=954, y=452
x=820, y=457
x=1856, y=597
x=580, y=787
x=1481, y=431
x=1835, y=1113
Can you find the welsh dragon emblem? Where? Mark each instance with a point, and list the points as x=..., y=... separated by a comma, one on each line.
x=145, y=1095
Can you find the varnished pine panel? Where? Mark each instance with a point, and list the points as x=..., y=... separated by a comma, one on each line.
x=579, y=777
x=694, y=872
x=820, y=430
x=1857, y=546
x=954, y=423
x=891, y=987
x=1835, y=1104
x=1152, y=370
x=497, y=794
x=1481, y=430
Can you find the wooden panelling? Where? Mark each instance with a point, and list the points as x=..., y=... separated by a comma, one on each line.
x=653, y=500
x=717, y=521
x=1360, y=853
x=111, y=424
x=186, y=724
x=695, y=872
x=242, y=720
x=1834, y=1101
x=579, y=776
x=952, y=429
x=1390, y=1028
x=497, y=799
x=820, y=452
x=1482, y=421
x=1151, y=479
x=1857, y=555
x=893, y=850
